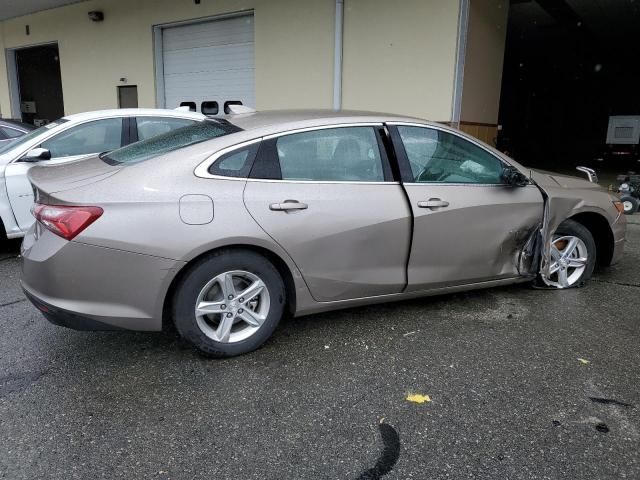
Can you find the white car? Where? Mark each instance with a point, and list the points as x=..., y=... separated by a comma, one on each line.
x=72, y=138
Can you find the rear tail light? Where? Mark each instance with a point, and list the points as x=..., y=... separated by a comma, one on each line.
x=66, y=221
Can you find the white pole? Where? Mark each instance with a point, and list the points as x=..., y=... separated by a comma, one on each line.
x=337, y=56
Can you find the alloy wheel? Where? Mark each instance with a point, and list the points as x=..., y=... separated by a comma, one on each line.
x=232, y=306
x=569, y=259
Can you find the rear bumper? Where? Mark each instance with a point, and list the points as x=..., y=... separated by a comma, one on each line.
x=64, y=318
x=94, y=288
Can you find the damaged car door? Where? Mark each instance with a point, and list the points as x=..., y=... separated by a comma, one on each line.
x=469, y=225
x=327, y=196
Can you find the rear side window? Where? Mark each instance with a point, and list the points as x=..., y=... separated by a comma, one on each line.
x=10, y=132
x=169, y=142
x=331, y=154
x=237, y=163
x=440, y=157
x=153, y=126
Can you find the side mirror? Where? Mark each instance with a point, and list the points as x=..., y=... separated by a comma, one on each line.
x=512, y=176
x=37, y=154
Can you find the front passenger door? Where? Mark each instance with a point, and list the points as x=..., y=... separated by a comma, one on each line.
x=469, y=227
x=74, y=143
x=328, y=198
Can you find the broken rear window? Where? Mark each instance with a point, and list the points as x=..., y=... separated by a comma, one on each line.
x=168, y=142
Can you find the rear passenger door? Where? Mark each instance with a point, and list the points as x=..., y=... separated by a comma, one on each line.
x=327, y=196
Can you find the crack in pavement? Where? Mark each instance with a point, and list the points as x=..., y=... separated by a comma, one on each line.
x=12, y=303
x=19, y=382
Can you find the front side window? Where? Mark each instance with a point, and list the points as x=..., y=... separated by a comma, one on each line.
x=91, y=137
x=32, y=135
x=440, y=157
x=153, y=126
x=332, y=154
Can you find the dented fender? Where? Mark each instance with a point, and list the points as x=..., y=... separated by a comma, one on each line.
x=564, y=197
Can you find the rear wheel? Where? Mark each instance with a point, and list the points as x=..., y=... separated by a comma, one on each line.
x=229, y=303
x=630, y=204
x=573, y=256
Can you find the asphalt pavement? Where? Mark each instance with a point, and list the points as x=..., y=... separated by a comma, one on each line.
x=516, y=383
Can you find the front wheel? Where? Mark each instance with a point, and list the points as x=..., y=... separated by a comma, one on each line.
x=229, y=303
x=573, y=256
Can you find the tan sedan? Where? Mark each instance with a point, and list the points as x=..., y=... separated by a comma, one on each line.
x=222, y=227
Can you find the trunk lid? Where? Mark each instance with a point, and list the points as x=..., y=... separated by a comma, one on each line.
x=58, y=178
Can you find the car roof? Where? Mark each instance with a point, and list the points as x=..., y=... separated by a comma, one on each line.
x=132, y=112
x=8, y=122
x=285, y=119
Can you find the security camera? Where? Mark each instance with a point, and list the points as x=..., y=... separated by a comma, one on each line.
x=96, y=16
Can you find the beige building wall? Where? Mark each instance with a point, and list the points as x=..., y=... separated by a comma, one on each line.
x=294, y=48
x=486, y=36
x=399, y=56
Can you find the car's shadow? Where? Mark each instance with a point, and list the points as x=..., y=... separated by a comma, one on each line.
x=9, y=248
x=292, y=336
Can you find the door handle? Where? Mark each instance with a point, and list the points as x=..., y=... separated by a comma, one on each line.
x=288, y=205
x=433, y=203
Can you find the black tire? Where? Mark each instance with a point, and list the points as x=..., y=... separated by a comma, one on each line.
x=4, y=241
x=573, y=228
x=188, y=288
x=631, y=204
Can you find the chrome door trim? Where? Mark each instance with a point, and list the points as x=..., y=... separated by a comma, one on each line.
x=319, y=182
x=452, y=131
x=202, y=170
x=322, y=127
x=443, y=184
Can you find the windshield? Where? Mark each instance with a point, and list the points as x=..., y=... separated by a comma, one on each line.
x=31, y=135
x=168, y=142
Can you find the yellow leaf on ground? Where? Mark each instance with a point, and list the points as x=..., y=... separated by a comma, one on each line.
x=417, y=398
x=583, y=361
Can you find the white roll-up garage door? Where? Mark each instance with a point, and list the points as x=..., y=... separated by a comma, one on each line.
x=209, y=61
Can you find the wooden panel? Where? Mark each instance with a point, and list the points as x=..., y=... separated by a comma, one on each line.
x=484, y=132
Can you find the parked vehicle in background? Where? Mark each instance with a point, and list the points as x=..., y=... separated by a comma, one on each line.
x=70, y=138
x=629, y=190
x=623, y=141
x=10, y=130
x=222, y=226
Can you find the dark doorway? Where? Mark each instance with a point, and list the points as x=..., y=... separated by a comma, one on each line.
x=128, y=96
x=40, y=84
x=569, y=65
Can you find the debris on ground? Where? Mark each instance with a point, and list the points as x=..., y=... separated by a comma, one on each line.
x=418, y=398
